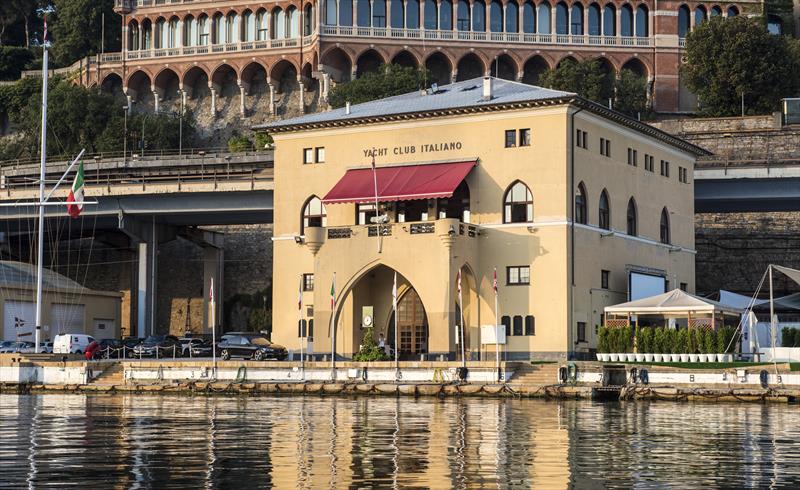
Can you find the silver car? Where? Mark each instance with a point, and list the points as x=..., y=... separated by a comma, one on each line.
x=21, y=347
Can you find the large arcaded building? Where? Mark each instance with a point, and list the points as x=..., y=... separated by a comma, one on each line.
x=182, y=48
x=575, y=206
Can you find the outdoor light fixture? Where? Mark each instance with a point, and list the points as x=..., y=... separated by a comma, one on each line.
x=606, y=233
x=298, y=239
x=532, y=229
x=452, y=231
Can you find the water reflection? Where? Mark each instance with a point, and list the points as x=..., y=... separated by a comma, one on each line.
x=307, y=442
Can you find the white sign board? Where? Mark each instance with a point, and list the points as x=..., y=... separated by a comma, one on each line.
x=645, y=285
x=488, y=334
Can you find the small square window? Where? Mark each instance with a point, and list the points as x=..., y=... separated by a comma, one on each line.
x=320, y=154
x=308, y=155
x=603, y=146
x=585, y=140
x=524, y=137
x=530, y=325
x=506, y=322
x=511, y=138
x=581, y=331
x=308, y=282
x=608, y=148
x=604, y=278
x=684, y=287
x=518, y=275
x=517, y=325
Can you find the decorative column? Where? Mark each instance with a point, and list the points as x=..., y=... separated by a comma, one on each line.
x=586, y=23
x=124, y=36
x=213, y=99
x=241, y=98
x=389, y=14
x=617, y=29
x=141, y=37
x=155, y=99
x=422, y=14
x=271, y=98
x=553, y=28
x=486, y=13
x=302, y=94
x=521, y=18
x=454, y=17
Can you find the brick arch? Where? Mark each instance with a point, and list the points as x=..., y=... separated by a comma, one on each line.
x=637, y=65
x=440, y=67
x=504, y=66
x=564, y=58
x=338, y=62
x=470, y=65
x=607, y=62
x=534, y=67
x=195, y=80
x=369, y=60
x=221, y=76
x=165, y=81
x=404, y=56
x=280, y=74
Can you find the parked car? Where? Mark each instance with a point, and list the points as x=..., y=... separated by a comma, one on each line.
x=5, y=343
x=21, y=346
x=46, y=347
x=250, y=345
x=71, y=343
x=158, y=346
x=203, y=349
x=109, y=349
x=188, y=343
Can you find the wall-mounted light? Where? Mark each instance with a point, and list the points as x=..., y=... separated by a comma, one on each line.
x=532, y=229
x=298, y=239
x=452, y=230
x=607, y=233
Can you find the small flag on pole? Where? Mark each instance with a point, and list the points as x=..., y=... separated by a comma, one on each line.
x=333, y=293
x=44, y=36
x=394, y=293
x=494, y=283
x=75, y=198
x=459, y=281
x=300, y=295
x=211, y=291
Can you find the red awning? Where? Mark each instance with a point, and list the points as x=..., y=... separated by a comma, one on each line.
x=429, y=181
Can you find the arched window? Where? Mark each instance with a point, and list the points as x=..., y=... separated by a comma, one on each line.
x=665, y=238
x=716, y=11
x=518, y=204
x=581, y=214
x=594, y=20
x=379, y=13
x=544, y=18
x=398, y=14
x=278, y=23
x=700, y=15
x=609, y=20
x=528, y=18
x=431, y=14
x=463, y=20
x=248, y=26
x=331, y=12
x=314, y=214
x=642, y=23
x=733, y=11
x=512, y=16
x=231, y=28
x=478, y=16
x=161, y=33
x=683, y=21
x=412, y=14
x=626, y=21
x=495, y=16
x=190, y=31
x=576, y=20
x=562, y=19
x=362, y=13
x=604, y=211
x=309, y=19
x=203, y=36
x=632, y=221
x=293, y=23
x=446, y=15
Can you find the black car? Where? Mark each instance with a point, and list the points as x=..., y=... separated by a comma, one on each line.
x=158, y=346
x=201, y=349
x=109, y=349
x=250, y=346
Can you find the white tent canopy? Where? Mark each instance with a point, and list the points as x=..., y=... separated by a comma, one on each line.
x=671, y=302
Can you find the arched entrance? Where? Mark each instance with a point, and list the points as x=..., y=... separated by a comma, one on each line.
x=412, y=325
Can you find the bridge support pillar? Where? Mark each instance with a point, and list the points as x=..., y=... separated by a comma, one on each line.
x=146, y=287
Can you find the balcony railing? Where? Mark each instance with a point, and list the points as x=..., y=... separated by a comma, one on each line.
x=396, y=229
x=209, y=49
x=490, y=37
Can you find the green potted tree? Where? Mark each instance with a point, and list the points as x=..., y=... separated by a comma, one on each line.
x=627, y=345
x=695, y=339
x=646, y=343
x=709, y=346
x=658, y=352
x=613, y=344
x=682, y=341
x=602, y=344
x=674, y=348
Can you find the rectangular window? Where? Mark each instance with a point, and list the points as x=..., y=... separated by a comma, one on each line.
x=608, y=148
x=308, y=282
x=320, y=154
x=525, y=137
x=308, y=155
x=581, y=331
x=585, y=140
x=365, y=213
x=506, y=322
x=683, y=175
x=530, y=325
x=578, y=142
x=517, y=325
x=648, y=162
x=684, y=286
x=665, y=168
x=511, y=138
x=604, y=276
x=632, y=157
x=603, y=147
x=518, y=275
x=302, y=327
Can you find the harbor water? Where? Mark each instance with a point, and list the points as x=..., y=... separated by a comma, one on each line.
x=141, y=441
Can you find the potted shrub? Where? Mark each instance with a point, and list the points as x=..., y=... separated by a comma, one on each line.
x=692, y=341
x=658, y=345
x=646, y=343
x=728, y=335
x=694, y=344
x=683, y=344
x=602, y=344
x=613, y=334
x=710, y=345
x=629, y=355
x=672, y=341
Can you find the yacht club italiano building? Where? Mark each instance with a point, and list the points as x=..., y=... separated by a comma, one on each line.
x=563, y=197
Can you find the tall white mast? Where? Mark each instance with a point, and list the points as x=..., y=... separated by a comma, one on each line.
x=40, y=244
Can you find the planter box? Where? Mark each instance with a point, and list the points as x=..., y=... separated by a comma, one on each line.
x=692, y=357
x=614, y=357
x=675, y=357
x=720, y=357
x=639, y=357
x=684, y=357
x=648, y=358
x=605, y=357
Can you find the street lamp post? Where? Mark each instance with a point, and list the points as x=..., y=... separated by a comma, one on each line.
x=125, y=138
x=180, y=130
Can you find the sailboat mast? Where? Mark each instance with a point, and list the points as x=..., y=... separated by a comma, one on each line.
x=40, y=224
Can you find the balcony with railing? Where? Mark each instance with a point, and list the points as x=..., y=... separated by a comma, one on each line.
x=487, y=37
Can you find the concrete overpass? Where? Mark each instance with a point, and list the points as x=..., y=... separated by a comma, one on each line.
x=145, y=201
x=747, y=185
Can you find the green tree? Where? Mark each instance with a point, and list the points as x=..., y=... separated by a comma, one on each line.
x=602, y=340
x=728, y=57
x=683, y=341
x=17, y=13
x=585, y=78
x=13, y=60
x=370, y=351
x=630, y=94
x=387, y=81
x=77, y=29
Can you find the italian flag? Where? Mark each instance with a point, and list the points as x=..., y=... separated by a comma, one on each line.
x=75, y=198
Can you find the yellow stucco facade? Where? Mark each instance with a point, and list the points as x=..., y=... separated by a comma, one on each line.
x=565, y=258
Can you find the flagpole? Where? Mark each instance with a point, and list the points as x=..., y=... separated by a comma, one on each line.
x=396, y=336
x=461, y=311
x=333, y=328
x=496, y=328
x=302, y=331
x=212, y=322
x=377, y=211
x=40, y=245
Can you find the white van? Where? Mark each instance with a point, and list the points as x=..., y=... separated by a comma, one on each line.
x=71, y=343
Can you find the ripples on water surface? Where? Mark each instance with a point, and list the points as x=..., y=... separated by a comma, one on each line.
x=126, y=441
